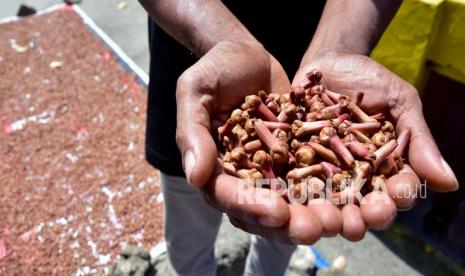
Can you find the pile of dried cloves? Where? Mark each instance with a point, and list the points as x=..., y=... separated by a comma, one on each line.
x=312, y=135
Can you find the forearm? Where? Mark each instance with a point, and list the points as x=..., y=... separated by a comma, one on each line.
x=199, y=25
x=351, y=26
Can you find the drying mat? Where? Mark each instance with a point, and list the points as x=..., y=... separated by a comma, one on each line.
x=74, y=185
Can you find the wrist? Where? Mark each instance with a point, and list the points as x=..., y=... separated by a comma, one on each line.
x=317, y=53
x=205, y=45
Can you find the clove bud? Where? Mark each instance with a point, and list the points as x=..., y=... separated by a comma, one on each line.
x=279, y=151
x=263, y=160
x=256, y=106
x=315, y=134
x=300, y=129
x=305, y=156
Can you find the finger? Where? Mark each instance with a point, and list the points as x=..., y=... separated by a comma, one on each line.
x=304, y=227
x=193, y=135
x=353, y=225
x=378, y=210
x=403, y=188
x=242, y=200
x=253, y=228
x=424, y=155
x=328, y=214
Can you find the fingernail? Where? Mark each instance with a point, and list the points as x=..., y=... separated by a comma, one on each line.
x=189, y=164
x=268, y=221
x=449, y=171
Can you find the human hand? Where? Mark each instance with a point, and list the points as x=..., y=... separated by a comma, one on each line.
x=385, y=92
x=206, y=94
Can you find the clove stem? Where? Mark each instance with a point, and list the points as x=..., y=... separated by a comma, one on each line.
x=383, y=152
x=288, y=114
x=253, y=146
x=366, y=127
x=339, y=120
x=279, y=151
x=329, y=169
x=326, y=153
x=300, y=128
x=360, y=150
x=276, y=125
x=360, y=173
x=257, y=107
x=359, y=113
x=327, y=100
x=304, y=172
x=333, y=95
x=340, y=149
x=360, y=136
x=403, y=140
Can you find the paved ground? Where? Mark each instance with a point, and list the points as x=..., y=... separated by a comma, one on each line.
x=128, y=29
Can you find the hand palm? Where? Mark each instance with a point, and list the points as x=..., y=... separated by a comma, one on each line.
x=386, y=92
x=209, y=90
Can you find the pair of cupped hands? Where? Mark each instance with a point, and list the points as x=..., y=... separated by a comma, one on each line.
x=208, y=91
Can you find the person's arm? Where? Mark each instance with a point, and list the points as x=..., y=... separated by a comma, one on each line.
x=351, y=26
x=232, y=65
x=346, y=34
x=198, y=25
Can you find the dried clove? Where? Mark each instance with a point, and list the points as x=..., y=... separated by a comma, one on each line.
x=312, y=133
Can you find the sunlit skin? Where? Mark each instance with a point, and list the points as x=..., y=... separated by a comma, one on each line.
x=233, y=64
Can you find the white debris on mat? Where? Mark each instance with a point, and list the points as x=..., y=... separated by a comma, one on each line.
x=104, y=259
x=61, y=221
x=18, y=48
x=101, y=118
x=75, y=244
x=130, y=146
x=71, y=157
x=111, y=210
x=42, y=118
x=160, y=198
x=56, y=64
x=85, y=270
x=139, y=235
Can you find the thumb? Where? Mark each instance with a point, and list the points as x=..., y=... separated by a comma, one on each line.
x=193, y=136
x=424, y=155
